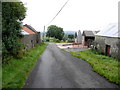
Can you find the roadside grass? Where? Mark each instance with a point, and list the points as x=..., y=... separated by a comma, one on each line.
x=0, y=75
x=15, y=73
x=106, y=66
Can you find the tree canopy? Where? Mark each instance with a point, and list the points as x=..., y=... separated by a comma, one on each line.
x=71, y=36
x=55, y=31
x=12, y=15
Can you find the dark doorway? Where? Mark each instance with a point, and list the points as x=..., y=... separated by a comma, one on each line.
x=32, y=43
x=107, y=50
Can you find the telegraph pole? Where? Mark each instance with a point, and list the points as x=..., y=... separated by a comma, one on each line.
x=44, y=34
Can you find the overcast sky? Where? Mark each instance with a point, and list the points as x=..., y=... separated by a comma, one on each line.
x=76, y=15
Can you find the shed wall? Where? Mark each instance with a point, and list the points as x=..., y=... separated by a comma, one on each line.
x=31, y=40
x=113, y=42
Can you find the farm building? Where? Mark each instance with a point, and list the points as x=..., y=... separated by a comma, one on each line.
x=30, y=36
x=108, y=40
x=88, y=37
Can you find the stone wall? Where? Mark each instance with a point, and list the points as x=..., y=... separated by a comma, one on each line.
x=103, y=41
x=31, y=40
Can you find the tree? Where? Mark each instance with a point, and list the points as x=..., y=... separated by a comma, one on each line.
x=65, y=37
x=55, y=31
x=75, y=34
x=71, y=36
x=12, y=15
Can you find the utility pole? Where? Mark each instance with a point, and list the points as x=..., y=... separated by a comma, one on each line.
x=44, y=34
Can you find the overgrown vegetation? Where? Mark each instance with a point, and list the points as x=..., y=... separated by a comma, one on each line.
x=12, y=15
x=104, y=65
x=16, y=71
x=54, y=40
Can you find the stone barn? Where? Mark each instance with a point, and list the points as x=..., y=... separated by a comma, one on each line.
x=88, y=37
x=30, y=36
x=108, y=40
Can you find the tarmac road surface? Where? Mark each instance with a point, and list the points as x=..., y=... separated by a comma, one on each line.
x=58, y=69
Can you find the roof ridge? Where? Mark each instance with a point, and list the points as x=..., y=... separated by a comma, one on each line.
x=30, y=27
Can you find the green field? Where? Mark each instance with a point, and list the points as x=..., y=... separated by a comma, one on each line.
x=16, y=72
x=104, y=65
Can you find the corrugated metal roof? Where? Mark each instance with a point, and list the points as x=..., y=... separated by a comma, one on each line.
x=110, y=31
x=31, y=28
x=28, y=30
x=90, y=33
x=24, y=32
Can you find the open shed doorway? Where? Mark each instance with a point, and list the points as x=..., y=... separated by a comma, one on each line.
x=108, y=50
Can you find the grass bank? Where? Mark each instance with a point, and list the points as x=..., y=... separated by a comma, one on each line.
x=16, y=72
x=104, y=65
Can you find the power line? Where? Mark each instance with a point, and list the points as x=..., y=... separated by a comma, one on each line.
x=58, y=12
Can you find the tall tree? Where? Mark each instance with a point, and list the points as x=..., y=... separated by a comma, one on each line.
x=12, y=15
x=55, y=31
x=75, y=34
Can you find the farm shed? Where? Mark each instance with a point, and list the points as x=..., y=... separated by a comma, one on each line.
x=108, y=40
x=88, y=37
x=30, y=36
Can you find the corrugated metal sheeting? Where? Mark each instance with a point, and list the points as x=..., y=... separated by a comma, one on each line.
x=24, y=32
x=110, y=31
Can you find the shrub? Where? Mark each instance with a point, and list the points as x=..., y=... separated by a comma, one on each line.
x=12, y=15
x=57, y=40
x=47, y=40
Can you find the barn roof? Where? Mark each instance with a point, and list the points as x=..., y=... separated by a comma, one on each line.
x=26, y=31
x=89, y=33
x=110, y=31
x=30, y=27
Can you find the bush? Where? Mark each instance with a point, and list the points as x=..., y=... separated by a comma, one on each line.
x=17, y=52
x=12, y=15
x=47, y=40
x=57, y=40
x=97, y=51
x=15, y=73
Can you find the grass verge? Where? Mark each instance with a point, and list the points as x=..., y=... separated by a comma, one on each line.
x=104, y=65
x=16, y=72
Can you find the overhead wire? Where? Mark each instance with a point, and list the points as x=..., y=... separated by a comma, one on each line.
x=58, y=12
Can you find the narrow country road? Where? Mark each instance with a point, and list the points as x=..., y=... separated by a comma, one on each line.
x=58, y=69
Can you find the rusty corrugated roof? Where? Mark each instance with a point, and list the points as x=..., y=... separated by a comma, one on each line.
x=30, y=27
x=28, y=30
x=88, y=33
